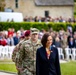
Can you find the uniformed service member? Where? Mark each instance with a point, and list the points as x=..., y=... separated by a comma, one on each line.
x=27, y=54
x=15, y=54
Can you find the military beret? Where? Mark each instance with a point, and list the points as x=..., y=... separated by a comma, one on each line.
x=22, y=36
x=27, y=33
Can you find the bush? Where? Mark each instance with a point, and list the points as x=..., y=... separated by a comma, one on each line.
x=25, y=25
x=40, y=26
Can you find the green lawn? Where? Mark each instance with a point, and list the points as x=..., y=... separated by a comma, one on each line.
x=68, y=68
x=7, y=65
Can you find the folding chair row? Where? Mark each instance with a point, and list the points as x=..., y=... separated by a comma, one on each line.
x=60, y=52
x=6, y=51
x=70, y=53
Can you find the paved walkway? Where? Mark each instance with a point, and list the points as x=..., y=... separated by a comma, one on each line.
x=4, y=73
x=63, y=61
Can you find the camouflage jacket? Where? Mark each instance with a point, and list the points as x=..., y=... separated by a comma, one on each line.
x=15, y=54
x=27, y=55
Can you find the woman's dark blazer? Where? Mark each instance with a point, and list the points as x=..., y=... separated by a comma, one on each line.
x=46, y=66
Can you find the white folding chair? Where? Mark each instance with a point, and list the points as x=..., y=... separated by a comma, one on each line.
x=68, y=53
x=60, y=51
x=1, y=47
x=4, y=52
x=74, y=53
x=10, y=50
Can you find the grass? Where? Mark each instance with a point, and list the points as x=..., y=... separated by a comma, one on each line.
x=7, y=65
x=68, y=68
x=8, y=68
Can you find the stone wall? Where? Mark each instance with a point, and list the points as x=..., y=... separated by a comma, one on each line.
x=28, y=8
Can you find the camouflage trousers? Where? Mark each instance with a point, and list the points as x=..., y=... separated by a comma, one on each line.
x=25, y=72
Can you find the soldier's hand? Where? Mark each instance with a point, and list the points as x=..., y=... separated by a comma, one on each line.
x=19, y=69
x=33, y=72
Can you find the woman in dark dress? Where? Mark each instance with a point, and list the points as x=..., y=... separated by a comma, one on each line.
x=47, y=59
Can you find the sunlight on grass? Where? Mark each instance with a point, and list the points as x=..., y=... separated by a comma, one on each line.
x=68, y=68
x=7, y=65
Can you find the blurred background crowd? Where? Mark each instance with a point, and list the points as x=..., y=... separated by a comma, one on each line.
x=48, y=19
x=60, y=39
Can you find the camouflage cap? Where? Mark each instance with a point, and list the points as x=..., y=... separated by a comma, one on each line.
x=34, y=30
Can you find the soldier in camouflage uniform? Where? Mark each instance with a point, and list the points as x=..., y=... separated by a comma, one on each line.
x=27, y=54
x=15, y=54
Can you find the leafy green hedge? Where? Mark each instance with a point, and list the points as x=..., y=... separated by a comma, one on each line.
x=42, y=25
x=74, y=0
x=25, y=25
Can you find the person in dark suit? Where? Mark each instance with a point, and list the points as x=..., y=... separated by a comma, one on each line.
x=47, y=59
x=71, y=42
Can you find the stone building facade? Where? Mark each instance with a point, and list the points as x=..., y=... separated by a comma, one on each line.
x=53, y=8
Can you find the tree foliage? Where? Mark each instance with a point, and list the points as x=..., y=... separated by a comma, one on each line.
x=74, y=0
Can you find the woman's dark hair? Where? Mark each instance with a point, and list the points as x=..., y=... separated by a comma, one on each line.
x=44, y=38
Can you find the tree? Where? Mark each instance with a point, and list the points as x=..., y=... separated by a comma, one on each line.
x=2, y=5
x=74, y=0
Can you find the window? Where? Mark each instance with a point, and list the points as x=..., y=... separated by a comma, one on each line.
x=0, y=8
x=16, y=3
x=46, y=13
x=16, y=0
